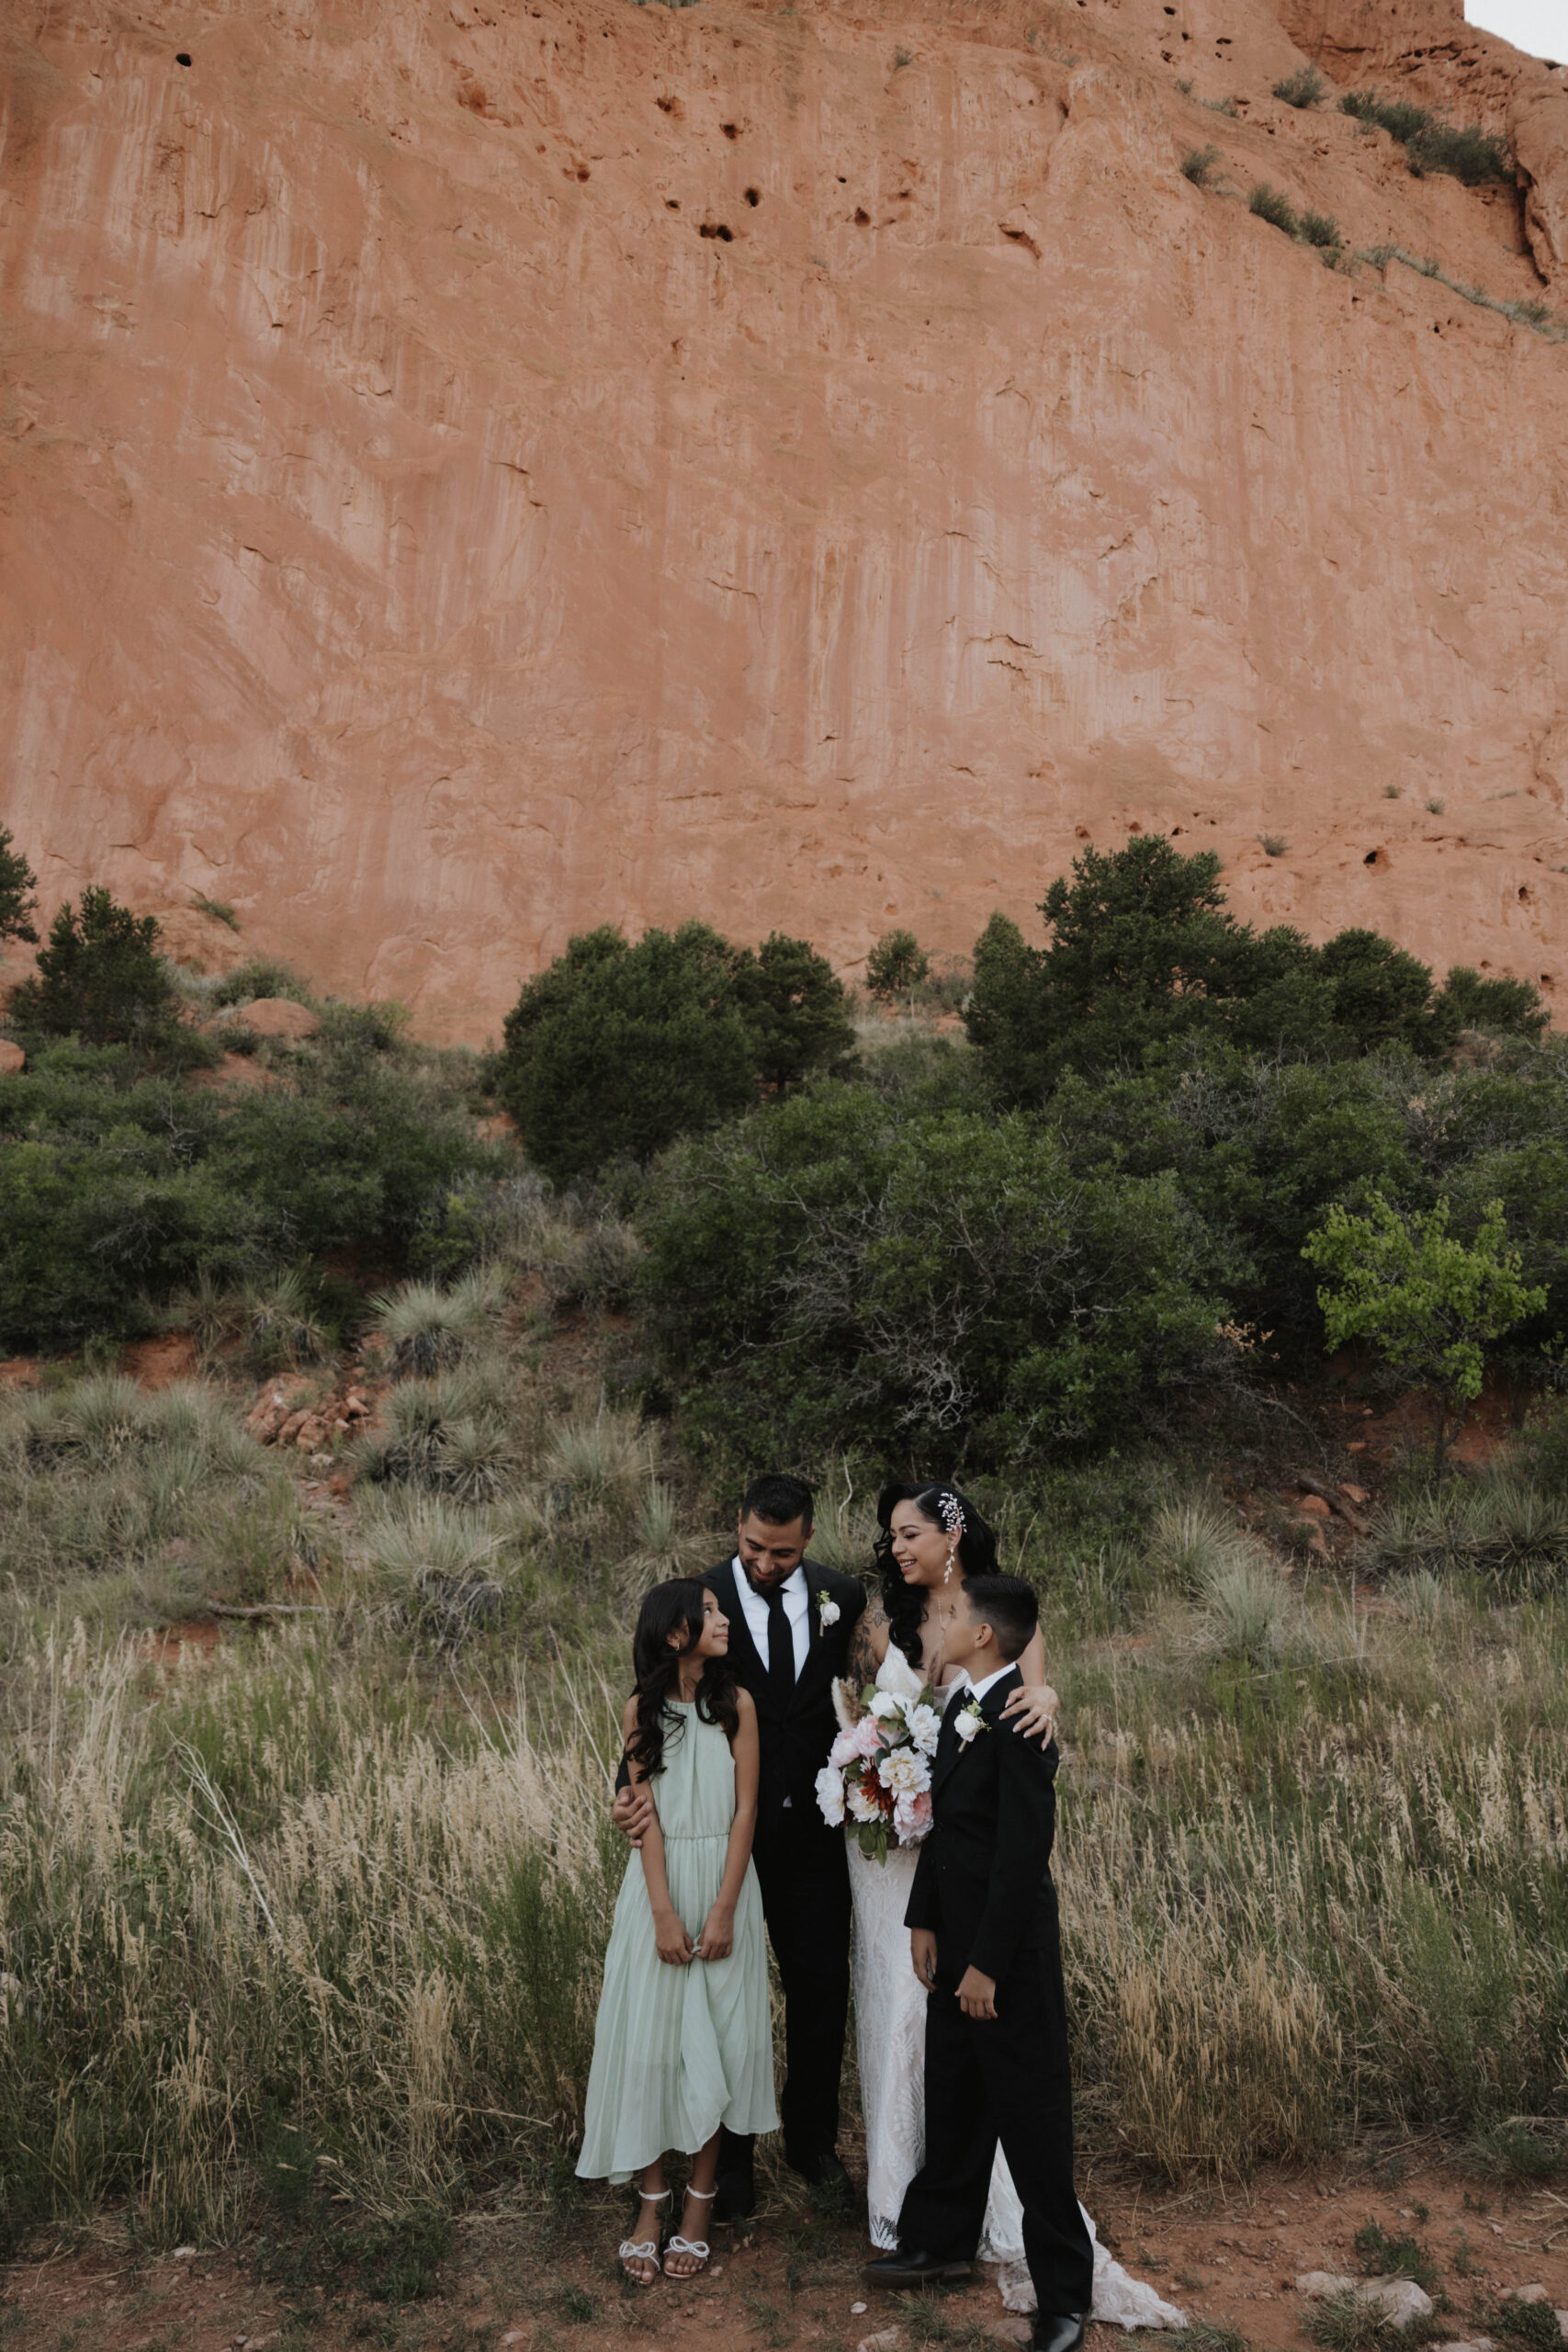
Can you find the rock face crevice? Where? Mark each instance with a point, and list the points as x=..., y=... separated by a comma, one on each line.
x=418, y=533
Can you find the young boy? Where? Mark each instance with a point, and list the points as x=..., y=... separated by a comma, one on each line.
x=984, y=1940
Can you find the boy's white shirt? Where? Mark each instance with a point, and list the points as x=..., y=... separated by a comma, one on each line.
x=980, y=1688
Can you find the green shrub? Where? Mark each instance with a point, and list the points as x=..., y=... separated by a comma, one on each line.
x=1270, y=206
x=1401, y=2257
x=1197, y=165
x=215, y=910
x=615, y=1049
x=1466, y=151
x=896, y=965
x=1305, y=87
x=99, y=978
x=18, y=888
x=1512, y=1008
x=264, y=976
x=1322, y=229
x=117, y=1188
x=941, y=1282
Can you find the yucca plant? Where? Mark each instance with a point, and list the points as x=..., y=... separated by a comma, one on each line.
x=599, y=1450
x=428, y=1329
x=1190, y=1542
x=282, y=1327
x=1245, y=1609
x=432, y=1559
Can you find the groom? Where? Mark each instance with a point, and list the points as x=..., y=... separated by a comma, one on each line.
x=790, y=1622
x=983, y=1941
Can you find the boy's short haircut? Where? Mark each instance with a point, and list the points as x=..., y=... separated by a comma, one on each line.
x=1008, y=1607
x=779, y=1499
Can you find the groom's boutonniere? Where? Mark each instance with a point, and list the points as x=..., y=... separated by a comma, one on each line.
x=970, y=1721
x=827, y=1610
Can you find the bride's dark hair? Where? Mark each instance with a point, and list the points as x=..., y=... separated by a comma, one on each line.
x=673, y=1607
x=904, y=1603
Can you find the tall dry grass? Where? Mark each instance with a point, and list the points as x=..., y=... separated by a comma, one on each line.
x=337, y=1897
x=238, y=1906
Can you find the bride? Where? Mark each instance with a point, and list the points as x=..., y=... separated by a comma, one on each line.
x=933, y=1539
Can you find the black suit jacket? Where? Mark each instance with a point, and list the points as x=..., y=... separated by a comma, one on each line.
x=793, y=1742
x=983, y=1880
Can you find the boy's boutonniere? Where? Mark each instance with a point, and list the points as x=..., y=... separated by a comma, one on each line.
x=827, y=1610
x=970, y=1721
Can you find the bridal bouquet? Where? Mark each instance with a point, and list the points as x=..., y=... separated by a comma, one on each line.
x=879, y=1771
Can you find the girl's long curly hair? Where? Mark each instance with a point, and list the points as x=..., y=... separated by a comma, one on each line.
x=673, y=1607
x=905, y=1603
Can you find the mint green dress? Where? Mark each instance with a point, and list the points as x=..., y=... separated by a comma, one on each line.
x=677, y=2052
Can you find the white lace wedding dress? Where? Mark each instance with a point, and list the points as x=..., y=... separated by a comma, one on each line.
x=890, y=2028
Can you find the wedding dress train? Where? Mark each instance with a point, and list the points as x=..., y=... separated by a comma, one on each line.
x=890, y=2026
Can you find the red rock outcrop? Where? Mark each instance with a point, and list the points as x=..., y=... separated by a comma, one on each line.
x=469, y=471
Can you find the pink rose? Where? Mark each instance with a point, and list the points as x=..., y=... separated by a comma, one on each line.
x=867, y=1738
x=843, y=1750
x=912, y=1816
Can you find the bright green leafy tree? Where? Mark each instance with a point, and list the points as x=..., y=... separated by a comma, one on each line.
x=1430, y=1301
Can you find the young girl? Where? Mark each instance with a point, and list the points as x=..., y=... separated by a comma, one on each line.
x=684, y=2041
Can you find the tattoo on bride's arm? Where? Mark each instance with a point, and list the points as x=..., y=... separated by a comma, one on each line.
x=860, y=1659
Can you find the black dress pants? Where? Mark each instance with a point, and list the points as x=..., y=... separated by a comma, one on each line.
x=1003, y=2079
x=805, y=1879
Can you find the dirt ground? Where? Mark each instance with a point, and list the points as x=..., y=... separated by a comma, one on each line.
x=515, y=2282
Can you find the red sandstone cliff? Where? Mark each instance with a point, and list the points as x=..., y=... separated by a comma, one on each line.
x=467, y=470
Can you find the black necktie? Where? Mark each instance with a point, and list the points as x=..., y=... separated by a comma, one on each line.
x=781, y=1650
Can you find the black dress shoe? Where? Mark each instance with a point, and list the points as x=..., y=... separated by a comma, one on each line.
x=823, y=2170
x=1058, y=2330
x=912, y=2269
x=735, y=2197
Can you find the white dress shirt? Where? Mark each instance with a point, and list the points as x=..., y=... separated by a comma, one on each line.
x=980, y=1688
x=797, y=1610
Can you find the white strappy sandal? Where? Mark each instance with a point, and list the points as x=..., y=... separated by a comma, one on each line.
x=643, y=2249
x=698, y=2247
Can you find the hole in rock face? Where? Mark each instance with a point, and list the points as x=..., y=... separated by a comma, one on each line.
x=673, y=202
x=1372, y=857
x=182, y=57
x=716, y=228
x=862, y=218
x=753, y=196
x=730, y=130
x=1524, y=896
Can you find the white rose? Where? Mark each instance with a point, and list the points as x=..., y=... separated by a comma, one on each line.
x=862, y=1803
x=827, y=1613
x=887, y=1706
x=831, y=1795
x=906, y=1769
x=970, y=1722
x=925, y=1729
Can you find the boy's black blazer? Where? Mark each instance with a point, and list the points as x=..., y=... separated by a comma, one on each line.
x=983, y=1880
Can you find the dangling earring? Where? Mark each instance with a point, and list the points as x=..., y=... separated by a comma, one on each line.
x=947, y=1573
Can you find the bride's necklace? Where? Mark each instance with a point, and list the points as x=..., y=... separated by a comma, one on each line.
x=937, y=1620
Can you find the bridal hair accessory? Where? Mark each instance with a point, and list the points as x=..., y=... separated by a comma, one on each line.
x=827, y=1610
x=951, y=1511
